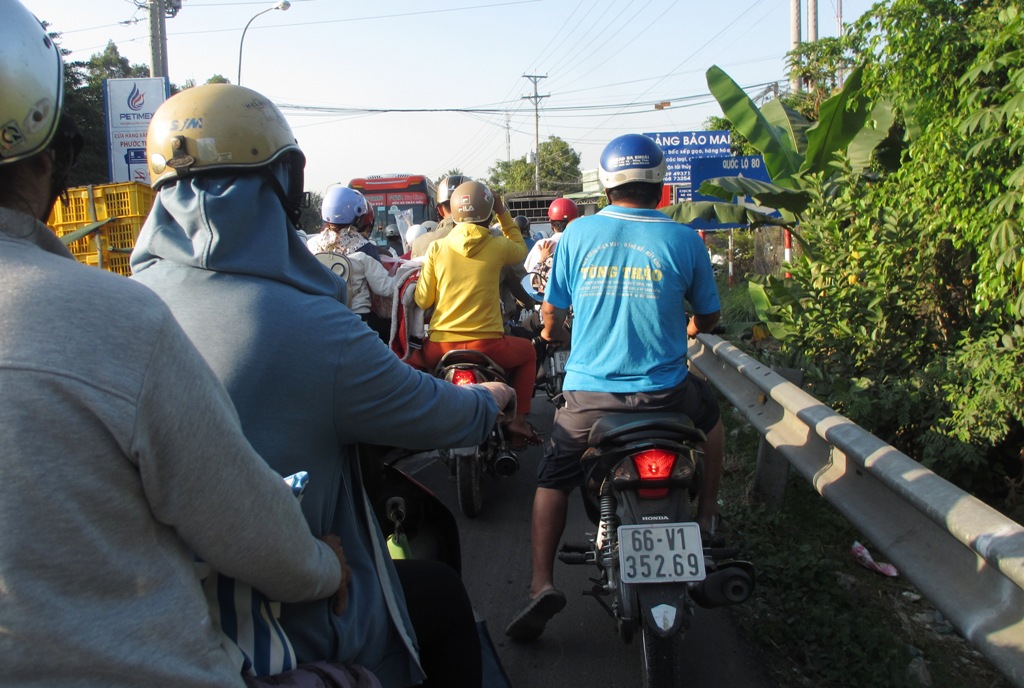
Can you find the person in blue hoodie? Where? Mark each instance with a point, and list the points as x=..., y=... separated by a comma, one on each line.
x=308, y=377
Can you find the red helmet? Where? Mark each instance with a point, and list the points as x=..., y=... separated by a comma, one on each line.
x=366, y=219
x=562, y=209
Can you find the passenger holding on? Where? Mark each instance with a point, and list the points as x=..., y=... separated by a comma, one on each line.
x=309, y=379
x=627, y=270
x=342, y=211
x=418, y=249
x=460, y=281
x=103, y=510
x=561, y=212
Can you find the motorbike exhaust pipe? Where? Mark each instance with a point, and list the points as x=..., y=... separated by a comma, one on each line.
x=506, y=464
x=731, y=584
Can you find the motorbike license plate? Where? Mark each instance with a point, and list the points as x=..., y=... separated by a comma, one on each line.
x=663, y=553
x=558, y=360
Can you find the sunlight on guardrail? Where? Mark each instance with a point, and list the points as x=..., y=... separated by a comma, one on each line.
x=964, y=556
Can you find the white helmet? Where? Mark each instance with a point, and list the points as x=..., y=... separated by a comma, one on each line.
x=31, y=84
x=413, y=232
x=342, y=205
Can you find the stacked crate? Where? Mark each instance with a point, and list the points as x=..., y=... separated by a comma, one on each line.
x=126, y=205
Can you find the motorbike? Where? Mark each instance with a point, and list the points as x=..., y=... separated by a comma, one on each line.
x=551, y=360
x=641, y=472
x=494, y=455
x=418, y=525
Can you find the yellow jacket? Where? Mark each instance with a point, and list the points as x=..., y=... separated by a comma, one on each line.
x=460, y=279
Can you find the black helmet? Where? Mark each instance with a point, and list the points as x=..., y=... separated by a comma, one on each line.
x=523, y=222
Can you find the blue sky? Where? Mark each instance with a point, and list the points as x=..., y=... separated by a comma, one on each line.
x=606, y=63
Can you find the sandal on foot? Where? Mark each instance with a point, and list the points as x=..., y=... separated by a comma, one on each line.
x=529, y=623
x=519, y=441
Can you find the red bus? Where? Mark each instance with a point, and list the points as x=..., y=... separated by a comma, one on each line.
x=391, y=193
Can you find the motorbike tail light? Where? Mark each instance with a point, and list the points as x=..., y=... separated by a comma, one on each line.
x=464, y=377
x=654, y=464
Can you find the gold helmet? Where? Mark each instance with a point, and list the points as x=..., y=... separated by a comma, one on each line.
x=472, y=202
x=217, y=127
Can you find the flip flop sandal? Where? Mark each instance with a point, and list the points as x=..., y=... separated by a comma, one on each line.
x=519, y=441
x=529, y=623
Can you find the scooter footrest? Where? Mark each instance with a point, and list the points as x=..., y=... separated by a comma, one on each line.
x=577, y=547
x=575, y=558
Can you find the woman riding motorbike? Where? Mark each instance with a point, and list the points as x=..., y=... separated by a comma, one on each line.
x=460, y=281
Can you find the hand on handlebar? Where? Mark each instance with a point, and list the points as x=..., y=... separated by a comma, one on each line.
x=503, y=396
x=555, y=337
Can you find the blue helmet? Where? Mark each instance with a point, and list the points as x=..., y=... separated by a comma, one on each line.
x=342, y=205
x=632, y=158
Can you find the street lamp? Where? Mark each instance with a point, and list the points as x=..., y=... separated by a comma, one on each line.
x=282, y=5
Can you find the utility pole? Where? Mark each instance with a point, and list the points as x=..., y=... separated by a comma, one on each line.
x=535, y=99
x=159, y=11
x=841, y=77
x=157, y=39
x=812, y=20
x=508, y=137
x=794, y=38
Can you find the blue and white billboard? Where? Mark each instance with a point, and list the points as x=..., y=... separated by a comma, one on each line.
x=130, y=104
x=749, y=166
x=683, y=147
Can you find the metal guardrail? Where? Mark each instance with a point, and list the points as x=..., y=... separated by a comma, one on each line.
x=965, y=557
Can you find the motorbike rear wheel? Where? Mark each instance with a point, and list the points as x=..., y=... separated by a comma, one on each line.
x=663, y=664
x=467, y=479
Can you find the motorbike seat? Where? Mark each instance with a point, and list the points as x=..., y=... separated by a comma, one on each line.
x=468, y=357
x=624, y=428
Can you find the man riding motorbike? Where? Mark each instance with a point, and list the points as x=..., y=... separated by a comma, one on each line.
x=419, y=246
x=626, y=270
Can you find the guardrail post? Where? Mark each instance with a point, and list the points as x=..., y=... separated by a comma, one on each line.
x=772, y=470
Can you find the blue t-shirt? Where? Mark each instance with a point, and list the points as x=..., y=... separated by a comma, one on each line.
x=627, y=273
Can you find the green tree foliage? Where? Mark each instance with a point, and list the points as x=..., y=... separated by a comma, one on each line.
x=559, y=170
x=455, y=171
x=907, y=310
x=83, y=101
x=819, y=67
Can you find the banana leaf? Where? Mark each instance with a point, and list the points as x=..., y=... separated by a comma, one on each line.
x=713, y=211
x=762, y=305
x=74, y=236
x=763, y=193
x=780, y=157
x=874, y=132
x=790, y=121
x=840, y=119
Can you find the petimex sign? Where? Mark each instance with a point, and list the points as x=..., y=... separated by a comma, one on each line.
x=129, y=105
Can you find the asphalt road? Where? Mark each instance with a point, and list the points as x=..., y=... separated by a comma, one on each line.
x=580, y=646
